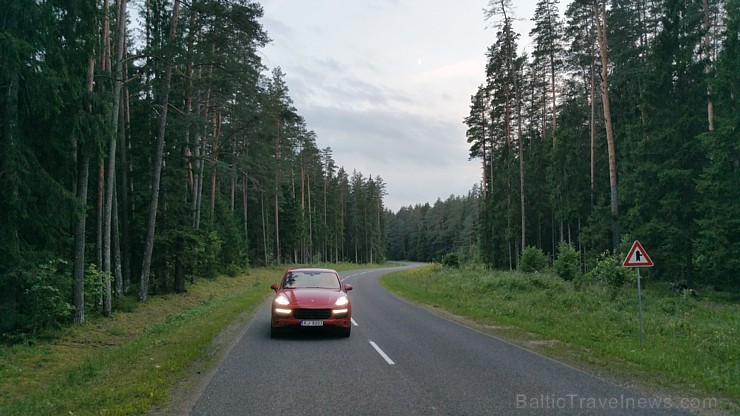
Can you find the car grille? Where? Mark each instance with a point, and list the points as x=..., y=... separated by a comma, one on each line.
x=312, y=313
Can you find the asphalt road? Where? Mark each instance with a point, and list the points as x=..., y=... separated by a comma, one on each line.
x=402, y=360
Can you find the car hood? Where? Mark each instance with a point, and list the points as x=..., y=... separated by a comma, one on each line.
x=312, y=298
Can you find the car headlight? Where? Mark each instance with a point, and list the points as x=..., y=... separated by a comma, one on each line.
x=283, y=312
x=342, y=301
x=282, y=300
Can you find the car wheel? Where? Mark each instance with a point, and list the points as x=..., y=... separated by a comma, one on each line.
x=345, y=332
x=275, y=332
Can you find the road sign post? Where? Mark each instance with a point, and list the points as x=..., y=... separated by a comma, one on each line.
x=639, y=306
x=638, y=258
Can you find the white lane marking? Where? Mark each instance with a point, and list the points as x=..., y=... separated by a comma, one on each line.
x=382, y=269
x=382, y=354
x=359, y=274
x=353, y=321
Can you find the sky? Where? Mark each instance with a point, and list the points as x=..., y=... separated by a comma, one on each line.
x=387, y=83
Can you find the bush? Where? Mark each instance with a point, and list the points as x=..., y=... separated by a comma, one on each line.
x=205, y=248
x=609, y=271
x=567, y=265
x=533, y=260
x=94, y=287
x=38, y=298
x=451, y=260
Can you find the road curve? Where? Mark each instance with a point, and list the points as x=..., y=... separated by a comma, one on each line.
x=402, y=360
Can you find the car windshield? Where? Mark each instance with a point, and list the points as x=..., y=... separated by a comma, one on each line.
x=310, y=279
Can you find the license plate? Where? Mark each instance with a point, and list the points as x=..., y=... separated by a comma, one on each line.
x=312, y=323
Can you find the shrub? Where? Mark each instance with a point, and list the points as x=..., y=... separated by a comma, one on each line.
x=451, y=260
x=37, y=297
x=205, y=248
x=609, y=271
x=533, y=260
x=567, y=265
x=94, y=287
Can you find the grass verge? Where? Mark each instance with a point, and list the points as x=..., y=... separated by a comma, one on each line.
x=691, y=344
x=126, y=364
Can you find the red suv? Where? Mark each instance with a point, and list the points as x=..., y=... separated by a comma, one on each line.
x=311, y=298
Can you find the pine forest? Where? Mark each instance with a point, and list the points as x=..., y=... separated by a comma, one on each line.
x=145, y=145
x=144, y=149
x=620, y=122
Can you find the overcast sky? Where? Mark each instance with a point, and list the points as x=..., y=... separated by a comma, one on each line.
x=387, y=83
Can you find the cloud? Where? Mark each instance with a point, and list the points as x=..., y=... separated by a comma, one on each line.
x=469, y=68
x=384, y=134
x=386, y=85
x=408, y=131
x=418, y=157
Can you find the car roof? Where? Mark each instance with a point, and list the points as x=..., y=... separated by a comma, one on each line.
x=311, y=269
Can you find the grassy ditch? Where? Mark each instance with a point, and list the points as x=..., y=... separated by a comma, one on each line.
x=126, y=364
x=691, y=344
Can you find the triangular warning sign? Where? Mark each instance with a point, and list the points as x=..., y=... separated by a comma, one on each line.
x=637, y=257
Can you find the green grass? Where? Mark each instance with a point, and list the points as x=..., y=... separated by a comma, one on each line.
x=126, y=364
x=691, y=344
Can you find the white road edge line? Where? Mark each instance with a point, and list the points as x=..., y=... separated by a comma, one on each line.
x=359, y=274
x=382, y=354
x=353, y=321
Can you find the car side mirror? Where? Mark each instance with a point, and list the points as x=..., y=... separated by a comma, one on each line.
x=275, y=287
x=347, y=288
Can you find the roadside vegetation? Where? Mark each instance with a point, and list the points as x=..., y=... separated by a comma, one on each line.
x=106, y=195
x=690, y=338
x=126, y=364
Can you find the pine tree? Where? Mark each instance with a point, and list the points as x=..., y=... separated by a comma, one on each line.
x=158, y=158
x=600, y=17
x=547, y=38
x=717, y=244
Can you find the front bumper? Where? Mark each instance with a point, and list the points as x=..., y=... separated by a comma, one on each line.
x=343, y=320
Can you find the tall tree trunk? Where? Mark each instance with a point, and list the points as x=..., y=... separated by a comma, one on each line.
x=157, y=162
x=554, y=97
x=325, y=246
x=79, y=262
x=105, y=49
x=215, y=155
x=99, y=215
x=116, y=246
x=543, y=116
x=111, y=169
x=245, y=207
x=507, y=170
x=277, y=193
x=78, y=291
x=189, y=104
x=264, y=226
x=201, y=143
x=341, y=247
x=234, y=182
x=600, y=20
x=708, y=70
x=124, y=192
x=102, y=242
x=310, y=221
x=521, y=168
x=304, y=247
x=487, y=152
x=198, y=181
x=592, y=93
